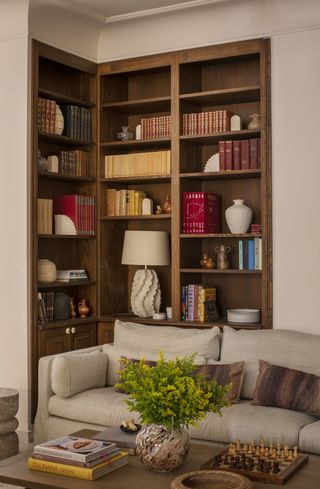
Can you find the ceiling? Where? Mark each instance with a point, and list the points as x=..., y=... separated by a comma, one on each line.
x=117, y=10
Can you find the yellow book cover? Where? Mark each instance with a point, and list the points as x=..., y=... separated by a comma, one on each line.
x=79, y=472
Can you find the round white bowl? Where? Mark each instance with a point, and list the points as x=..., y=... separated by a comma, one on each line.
x=243, y=315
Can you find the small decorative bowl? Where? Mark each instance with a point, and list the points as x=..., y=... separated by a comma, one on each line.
x=128, y=430
x=243, y=315
x=211, y=479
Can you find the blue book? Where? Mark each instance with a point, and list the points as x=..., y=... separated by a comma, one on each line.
x=250, y=254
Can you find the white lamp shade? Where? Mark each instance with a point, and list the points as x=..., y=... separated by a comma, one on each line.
x=146, y=248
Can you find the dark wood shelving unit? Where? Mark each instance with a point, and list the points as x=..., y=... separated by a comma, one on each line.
x=234, y=77
x=62, y=285
x=66, y=236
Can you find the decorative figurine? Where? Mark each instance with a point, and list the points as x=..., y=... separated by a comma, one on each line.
x=42, y=162
x=83, y=308
x=73, y=313
x=125, y=135
x=255, y=122
x=207, y=261
x=158, y=210
x=222, y=257
x=166, y=206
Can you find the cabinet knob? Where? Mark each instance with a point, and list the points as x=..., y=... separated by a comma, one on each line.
x=73, y=330
x=67, y=330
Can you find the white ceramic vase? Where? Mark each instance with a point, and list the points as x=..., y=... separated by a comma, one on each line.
x=238, y=217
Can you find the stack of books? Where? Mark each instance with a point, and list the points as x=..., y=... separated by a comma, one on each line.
x=240, y=155
x=70, y=275
x=198, y=303
x=124, y=202
x=201, y=213
x=155, y=127
x=79, y=208
x=77, y=457
x=152, y=163
x=206, y=122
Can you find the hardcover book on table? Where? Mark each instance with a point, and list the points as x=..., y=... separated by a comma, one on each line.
x=75, y=448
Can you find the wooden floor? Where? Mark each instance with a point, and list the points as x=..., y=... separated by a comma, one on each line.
x=135, y=476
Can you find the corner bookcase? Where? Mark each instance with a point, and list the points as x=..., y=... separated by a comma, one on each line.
x=232, y=77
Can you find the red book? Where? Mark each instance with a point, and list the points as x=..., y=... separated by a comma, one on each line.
x=259, y=153
x=236, y=155
x=244, y=150
x=68, y=206
x=253, y=153
x=222, y=155
x=201, y=212
x=229, y=155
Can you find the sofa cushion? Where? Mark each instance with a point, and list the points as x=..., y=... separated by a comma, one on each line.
x=281, y=347
x=287, y=388
x=225, y=373
x=114, y=354
x=178, y=341
x=246, y=422
x=76, y=373
x=104, y=407
x=309, y=438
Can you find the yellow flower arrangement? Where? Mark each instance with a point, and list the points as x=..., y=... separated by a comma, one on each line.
x=171, y=393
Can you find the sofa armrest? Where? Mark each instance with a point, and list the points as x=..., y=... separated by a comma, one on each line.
x=45, y=391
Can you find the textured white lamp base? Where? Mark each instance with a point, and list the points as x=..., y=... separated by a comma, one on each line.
x=145, y=294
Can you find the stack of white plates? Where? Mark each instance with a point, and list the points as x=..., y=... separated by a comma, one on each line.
x=243, y=315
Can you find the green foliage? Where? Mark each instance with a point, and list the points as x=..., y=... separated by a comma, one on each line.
x=171, y=393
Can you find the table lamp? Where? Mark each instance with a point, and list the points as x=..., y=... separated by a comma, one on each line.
x=145, y=248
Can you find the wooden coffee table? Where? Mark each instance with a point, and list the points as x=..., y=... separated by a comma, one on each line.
x=135, y=476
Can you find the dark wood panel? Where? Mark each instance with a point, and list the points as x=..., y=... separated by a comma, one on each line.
x=83, y=336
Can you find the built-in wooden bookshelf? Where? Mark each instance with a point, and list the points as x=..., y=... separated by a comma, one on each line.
x=233, y=77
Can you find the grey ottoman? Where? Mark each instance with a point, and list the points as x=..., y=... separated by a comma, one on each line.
x=9, y=404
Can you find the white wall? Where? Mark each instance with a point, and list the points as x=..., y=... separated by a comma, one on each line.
x=13, y=201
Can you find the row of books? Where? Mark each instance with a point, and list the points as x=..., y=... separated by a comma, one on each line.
x=201, y=212
x=77, y=122
x=198, y=303
x=138, y=164
x=74, y=163
x=250, y=254
x=240, y=155
x=124, y=202
x=156, y=127
x=81, y=458
x=45, y=307
x=47, y=115
x=209, y=122
x=70, y=275
x=77, y=207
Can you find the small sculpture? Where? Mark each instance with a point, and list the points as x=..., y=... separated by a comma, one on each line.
x=166, y=206
x=147, y=207
x=83, y=308
x=73, y=313
x=207, y=261
x=42, y=162
x=125, y=135
x=255, y=121
x=222, y=257
x=158, y=210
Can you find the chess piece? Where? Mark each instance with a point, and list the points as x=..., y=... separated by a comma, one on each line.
x=278, y=449
x=262, y=450
x=238, y=446
x=271, y=446
x=290, y=457
x=295, y=452
x=245, y=447
x=230, y=448
x=282, y=455
x=274, y=453
x=261, y=443
x=250, y=449
x=275, y=468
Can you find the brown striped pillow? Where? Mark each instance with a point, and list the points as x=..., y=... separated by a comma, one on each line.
x=287, y=388
x=224, y=374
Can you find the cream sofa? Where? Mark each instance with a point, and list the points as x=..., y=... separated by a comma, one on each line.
x=76, y=389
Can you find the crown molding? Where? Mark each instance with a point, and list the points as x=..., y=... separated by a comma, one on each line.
x=89, y=12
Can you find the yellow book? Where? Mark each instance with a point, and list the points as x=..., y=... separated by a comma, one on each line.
x=79, y=472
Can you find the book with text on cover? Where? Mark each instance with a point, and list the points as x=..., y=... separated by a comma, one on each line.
x=79, y=472
x=75, y=448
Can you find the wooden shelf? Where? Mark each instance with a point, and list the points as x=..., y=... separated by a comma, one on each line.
x=63, y=140
x=136, y=143
x=225, y=96
x=67, y=236
x=64, y=99
x=223, y=175
x=66, y=178
x=137, y=218
x=140, y=106
x=230, y=271
x=181, y=324
x=137, y=179
x=73, y=283
x=68, y=322
x=221, y=235
x=211, y=138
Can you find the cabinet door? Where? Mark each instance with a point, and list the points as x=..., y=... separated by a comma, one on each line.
x=54, y=341
x=105, y=332
x=83, y=336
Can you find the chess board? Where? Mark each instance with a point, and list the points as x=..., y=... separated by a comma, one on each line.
x=276, y=465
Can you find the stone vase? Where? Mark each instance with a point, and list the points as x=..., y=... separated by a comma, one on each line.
x=161, y=449
x=238, y=217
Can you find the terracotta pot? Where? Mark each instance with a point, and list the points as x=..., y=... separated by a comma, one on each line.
x=83, y=308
